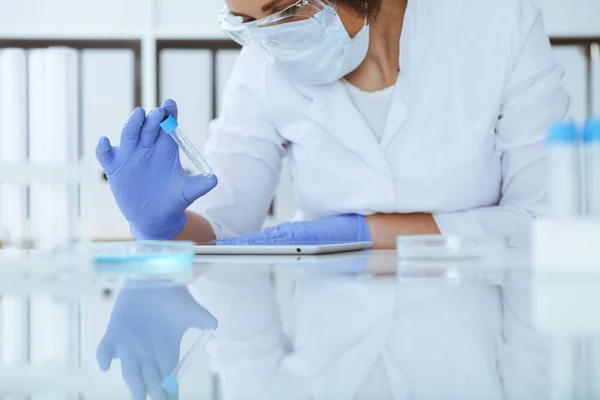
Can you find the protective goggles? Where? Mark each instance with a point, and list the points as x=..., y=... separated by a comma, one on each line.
x=300, y=24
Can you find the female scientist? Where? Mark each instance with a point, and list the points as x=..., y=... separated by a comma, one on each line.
x=398, y=117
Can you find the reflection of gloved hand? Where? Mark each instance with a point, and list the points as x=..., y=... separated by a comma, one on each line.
x=146, y=177
x=145, y=331
x=339, y=229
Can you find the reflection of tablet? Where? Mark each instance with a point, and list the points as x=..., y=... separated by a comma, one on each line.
x=311, y=249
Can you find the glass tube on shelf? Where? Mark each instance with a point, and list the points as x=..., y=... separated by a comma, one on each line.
x=563, y=178
x=591, y=140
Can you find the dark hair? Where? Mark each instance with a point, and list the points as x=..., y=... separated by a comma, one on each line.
x=370, y=8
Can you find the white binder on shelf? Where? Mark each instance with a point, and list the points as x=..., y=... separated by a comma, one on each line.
x=40, y=196
x=574, y=62
x=13, y=140
x=53, y=138
x=226, y=60
x=108, y=82
x=13, y=202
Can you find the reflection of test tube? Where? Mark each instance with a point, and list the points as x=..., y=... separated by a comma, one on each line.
x=171, y=382
x=171, y=127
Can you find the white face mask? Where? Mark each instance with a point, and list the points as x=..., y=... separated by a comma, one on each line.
x=325, y=62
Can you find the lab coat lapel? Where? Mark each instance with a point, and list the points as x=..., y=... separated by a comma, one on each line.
x=398, y=113
x=333, y=109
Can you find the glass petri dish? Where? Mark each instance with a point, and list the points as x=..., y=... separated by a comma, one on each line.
x=143, y=256
x=433, y=247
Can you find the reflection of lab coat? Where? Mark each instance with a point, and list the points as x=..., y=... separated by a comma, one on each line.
x=463, y=140
x=433, y=341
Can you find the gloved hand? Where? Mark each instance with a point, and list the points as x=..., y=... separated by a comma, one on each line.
x=338, y=229
x=150, y=186
x=145, y=331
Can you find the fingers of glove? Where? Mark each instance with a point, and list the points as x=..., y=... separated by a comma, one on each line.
x=152, y=380
x=130, y=370
x=105, y=154
x=196, y=186
x=130, y=134
x=151, y=127
x=170, y=108
x=105, y=352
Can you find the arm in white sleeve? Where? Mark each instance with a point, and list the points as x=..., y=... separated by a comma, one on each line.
x=245, y=151
x=534, y=99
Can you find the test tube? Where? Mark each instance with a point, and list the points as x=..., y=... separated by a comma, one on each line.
x=171, y=383
x=171, y=127
x=564, y=166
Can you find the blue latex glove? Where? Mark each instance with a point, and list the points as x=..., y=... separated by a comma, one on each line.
x=339, y=229
x=144, y=333
x=146, y=177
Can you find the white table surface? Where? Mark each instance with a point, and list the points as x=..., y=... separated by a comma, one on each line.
x=545, y=325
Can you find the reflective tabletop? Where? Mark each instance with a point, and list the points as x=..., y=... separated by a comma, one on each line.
x=361, y=325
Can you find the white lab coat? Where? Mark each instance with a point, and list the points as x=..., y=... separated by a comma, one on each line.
x=463, y=140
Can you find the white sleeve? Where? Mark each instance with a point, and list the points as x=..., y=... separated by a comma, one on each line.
x=534, y=98
x=245, y=151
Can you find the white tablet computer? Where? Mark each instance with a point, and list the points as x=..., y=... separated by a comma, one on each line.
x=266, y=249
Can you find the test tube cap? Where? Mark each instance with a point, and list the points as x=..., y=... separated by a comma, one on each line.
x=564, y=132
x=591, y=133
x=169, y=124
x=170, y=385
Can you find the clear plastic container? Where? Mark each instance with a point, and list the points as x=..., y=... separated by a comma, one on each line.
x=143, y=256
x=448, y=247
